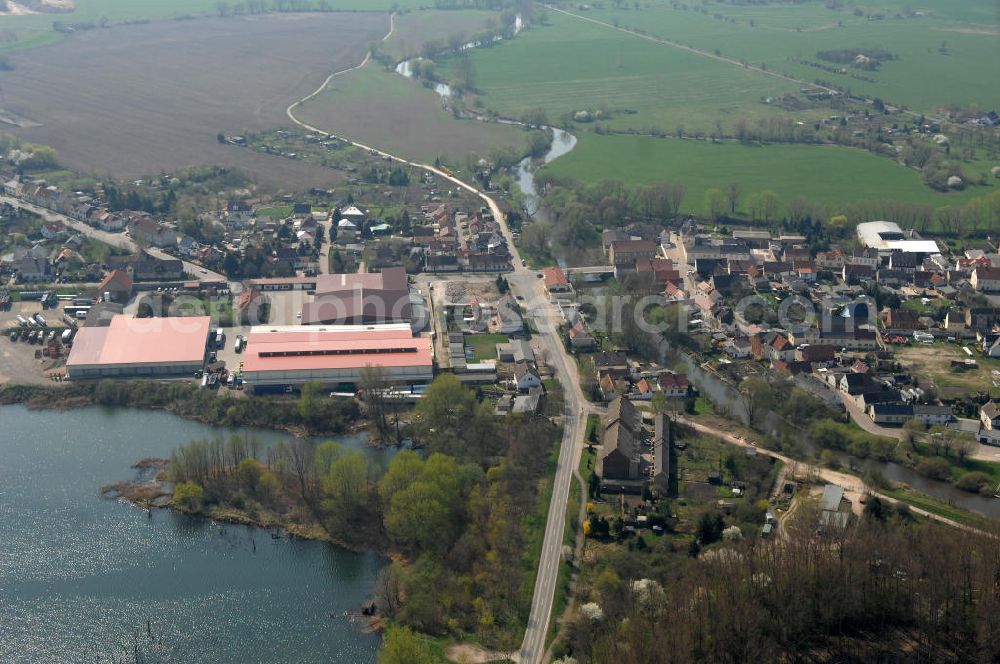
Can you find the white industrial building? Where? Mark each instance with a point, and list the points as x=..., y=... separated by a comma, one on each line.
x=887, y=236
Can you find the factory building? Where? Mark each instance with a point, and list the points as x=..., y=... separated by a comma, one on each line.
x=129, y=347
x=283, y=357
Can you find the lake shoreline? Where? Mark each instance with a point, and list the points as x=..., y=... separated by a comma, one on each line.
x=81, y=395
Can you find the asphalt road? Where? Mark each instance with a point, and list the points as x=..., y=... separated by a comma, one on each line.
x=119, y=240
x=523, y=283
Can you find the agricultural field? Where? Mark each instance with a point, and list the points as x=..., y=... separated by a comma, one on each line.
x=828, y=175
x=931, y=363
x=136, y=100
x=568, y=65
x=944, y=51
x=387, y=111
x=35, y=29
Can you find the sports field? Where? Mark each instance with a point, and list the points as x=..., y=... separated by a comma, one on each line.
x=828, y=175
x=570, y=65
x=385, y=110
x=945, y=50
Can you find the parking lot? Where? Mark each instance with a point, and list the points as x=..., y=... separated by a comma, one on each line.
x=286, y=306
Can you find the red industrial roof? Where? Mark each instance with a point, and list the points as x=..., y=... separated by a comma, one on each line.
x=131, y=340
x=342, y=348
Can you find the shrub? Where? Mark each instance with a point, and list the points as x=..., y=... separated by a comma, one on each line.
x=935, y=468
x=188, y=496
x=973, y=482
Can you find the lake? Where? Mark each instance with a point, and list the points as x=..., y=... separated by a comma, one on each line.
x=80, y=576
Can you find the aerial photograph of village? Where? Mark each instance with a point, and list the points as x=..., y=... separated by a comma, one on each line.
x=515, y=331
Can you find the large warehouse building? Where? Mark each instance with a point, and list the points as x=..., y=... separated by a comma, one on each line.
x=352, y=299
x=287, y=356
x=887, y=236
x=156, y=347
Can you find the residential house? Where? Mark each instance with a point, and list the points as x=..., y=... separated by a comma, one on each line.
x=527, y=404
x=239, y=214
x=739, y=348
x=989, y=415
x=347, y=231
x=556, y=283
x=931, y=415
x=249, y=304
x=815, y=353
x=982, y=319
x=890, y=413
x=354, y=214
x=52, y=229
x=515, y=351
x=33, y=269
x=986, y=279
x=618, y=458
x=857, y=383
x=614, y=362
x=623, y=254
x=580, y=337
x=116, y=287
x=147, y=231
x=904, y=261
x=902, y=321
x=855, y=272
x=526, y=376
x=673, y=384
x=509, y=320
x=643, y=390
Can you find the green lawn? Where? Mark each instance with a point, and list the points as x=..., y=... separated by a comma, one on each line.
x=829, y=175
x=276, y=212
x=781, y=34
x=384, y=110
x=571, y=65
x=484, y=346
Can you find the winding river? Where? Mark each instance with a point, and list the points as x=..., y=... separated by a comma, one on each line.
x=524, y=175
x=84, y=579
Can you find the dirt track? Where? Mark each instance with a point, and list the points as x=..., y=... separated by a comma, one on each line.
x=142, y=99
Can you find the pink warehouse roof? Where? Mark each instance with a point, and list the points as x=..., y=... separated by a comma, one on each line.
x=344, y=348
x=131, y=340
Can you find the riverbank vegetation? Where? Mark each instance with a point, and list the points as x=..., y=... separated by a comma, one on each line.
x=462, y=513
x=308, y=413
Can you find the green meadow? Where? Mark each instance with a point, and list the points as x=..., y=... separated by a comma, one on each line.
x=828, y=175
x=568, y=65
x=923, y=77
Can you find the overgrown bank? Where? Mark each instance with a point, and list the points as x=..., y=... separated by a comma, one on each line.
x=308, y=414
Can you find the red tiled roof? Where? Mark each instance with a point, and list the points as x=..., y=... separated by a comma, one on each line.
x=554, y=276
